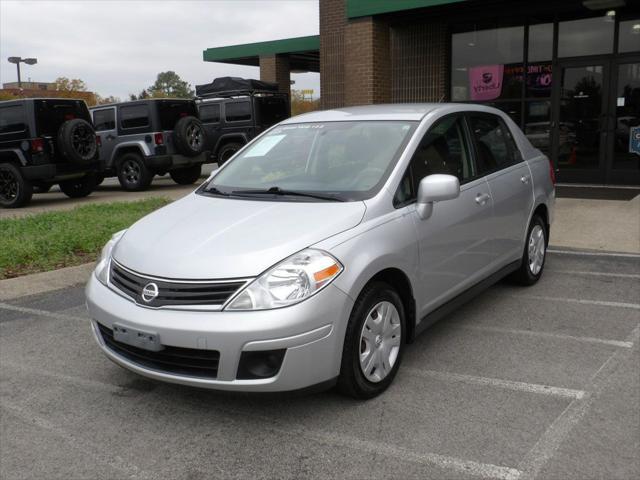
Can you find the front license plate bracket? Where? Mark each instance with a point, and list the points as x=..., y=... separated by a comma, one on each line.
x=137, y=338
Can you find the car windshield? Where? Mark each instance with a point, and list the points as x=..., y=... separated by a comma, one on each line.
x=344, y=160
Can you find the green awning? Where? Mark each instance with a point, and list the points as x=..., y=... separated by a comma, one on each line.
x=304, y=53
x=363, y=8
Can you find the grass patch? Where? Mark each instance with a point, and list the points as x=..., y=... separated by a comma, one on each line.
x=51, y=240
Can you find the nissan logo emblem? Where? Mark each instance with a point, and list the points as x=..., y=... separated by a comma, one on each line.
x=149, y=292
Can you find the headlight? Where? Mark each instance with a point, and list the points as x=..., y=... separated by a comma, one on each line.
x=102, y=267
x=291, y=281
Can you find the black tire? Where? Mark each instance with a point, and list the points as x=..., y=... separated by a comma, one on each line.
x=15, y=191
x=527, y=274
x=352, y=381
x=186, y=176
x=227, y=151
x=41, y=187
x=77, y=141
x=189, y=136
x=79, y=187
x=133, y=174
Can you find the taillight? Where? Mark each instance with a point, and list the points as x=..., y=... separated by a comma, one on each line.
x=98, y=140
x=158, y=138
x=37, y=145
x=552, y=172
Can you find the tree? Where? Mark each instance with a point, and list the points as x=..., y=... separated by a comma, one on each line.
x=105, y=100
x=63, y=84
x=301, y=104
x=169, y=84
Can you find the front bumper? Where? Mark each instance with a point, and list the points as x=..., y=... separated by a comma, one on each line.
x=312, y=332
x=174, y=161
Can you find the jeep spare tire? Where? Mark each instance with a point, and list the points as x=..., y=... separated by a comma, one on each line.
x=188, y=136
x=77, y=141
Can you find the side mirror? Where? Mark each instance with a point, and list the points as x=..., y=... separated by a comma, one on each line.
x=435, y=188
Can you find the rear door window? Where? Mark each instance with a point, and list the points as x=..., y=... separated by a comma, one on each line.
x=134, y=116
x=12, y=119
x=170, y=111
x=210, y=113
x=104, y=119
x=51, y=114
x=237, y=111
x=494, y=143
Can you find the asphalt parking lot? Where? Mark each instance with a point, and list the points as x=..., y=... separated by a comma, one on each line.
x=521, y=383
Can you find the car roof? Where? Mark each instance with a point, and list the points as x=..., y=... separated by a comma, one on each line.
x=391, y=111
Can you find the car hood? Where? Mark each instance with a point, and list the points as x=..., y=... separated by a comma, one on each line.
x=203, y=237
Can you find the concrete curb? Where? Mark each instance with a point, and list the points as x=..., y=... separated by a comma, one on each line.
x=35, y=283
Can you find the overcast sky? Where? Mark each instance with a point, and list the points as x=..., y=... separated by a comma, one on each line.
x=118, y=47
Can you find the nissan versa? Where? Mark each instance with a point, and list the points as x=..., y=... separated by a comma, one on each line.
x=323, y=247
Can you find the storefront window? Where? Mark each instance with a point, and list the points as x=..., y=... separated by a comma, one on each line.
x=487, y=64
x=541, y=43
x=589, y=36
x=629, y=36
x=537, y=124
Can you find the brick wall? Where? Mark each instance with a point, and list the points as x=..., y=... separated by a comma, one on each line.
x=419, y=63
x=275, y=68
x=332, y=53
x=367, y=62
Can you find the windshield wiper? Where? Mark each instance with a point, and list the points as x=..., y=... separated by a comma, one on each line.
x=280, y=191
x=215, y=191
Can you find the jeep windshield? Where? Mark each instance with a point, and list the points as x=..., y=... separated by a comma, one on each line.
x=50, y=114
x=344, y=160
x=170, y=111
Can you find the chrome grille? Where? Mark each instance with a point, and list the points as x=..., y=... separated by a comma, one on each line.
x=172, y=292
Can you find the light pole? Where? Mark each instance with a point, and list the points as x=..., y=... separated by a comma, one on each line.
x=17, y=61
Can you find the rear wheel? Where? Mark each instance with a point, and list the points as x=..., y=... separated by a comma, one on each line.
x=227, y=151
x=133, y=174
x=534, y=254
x=374, y=342
x=186, y=176
x=189, y=136
x=77, y=141
x=15, y=191
x=78, y=187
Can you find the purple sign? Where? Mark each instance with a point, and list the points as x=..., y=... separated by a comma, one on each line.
x=486, y=82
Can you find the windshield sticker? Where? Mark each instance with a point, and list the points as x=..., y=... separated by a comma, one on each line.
x=264, y=146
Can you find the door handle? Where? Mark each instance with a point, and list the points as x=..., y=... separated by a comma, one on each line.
x=482, y=198
x=525, y=179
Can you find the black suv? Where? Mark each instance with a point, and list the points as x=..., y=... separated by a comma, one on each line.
x=143, y=138
x=234, y=110
x=44, y=142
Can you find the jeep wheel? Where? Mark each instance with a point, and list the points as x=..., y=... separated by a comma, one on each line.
x=15, y=191
x=133, y=174
x=227, y=151
x=77, y=141
x=78, y=187
x=188, y=136
x=186, y=176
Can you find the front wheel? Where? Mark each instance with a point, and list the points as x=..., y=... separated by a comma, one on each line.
x=78, y=187
x=15, y=191
x=186, y=176
x=374, y=342
x=534, y=254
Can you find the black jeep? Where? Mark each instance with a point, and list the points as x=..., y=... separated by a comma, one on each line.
x=234, y=110
x=143, y=138
x=44, y=142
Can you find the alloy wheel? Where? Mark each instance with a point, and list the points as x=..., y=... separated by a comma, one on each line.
x=380, y=341
x=8, y=185
x=194, y=136
x=131, y=171
x=83, y=141
x=537, y=249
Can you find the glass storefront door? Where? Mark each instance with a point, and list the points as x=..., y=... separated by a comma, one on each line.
x=624, y=166
x=580, y=121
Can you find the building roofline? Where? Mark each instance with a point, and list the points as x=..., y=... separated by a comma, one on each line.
x=364, y=8
x=235, y=53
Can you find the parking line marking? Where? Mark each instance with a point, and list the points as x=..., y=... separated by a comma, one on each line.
x=499, y=383
x=469, y=467
x=37, y=311
x=593, y=254
x=595, y=274
x=584, y=301
x=560, y=336
x=546, y=447
x=96, y=452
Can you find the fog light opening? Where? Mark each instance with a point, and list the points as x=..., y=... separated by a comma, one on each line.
x=261, y=364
